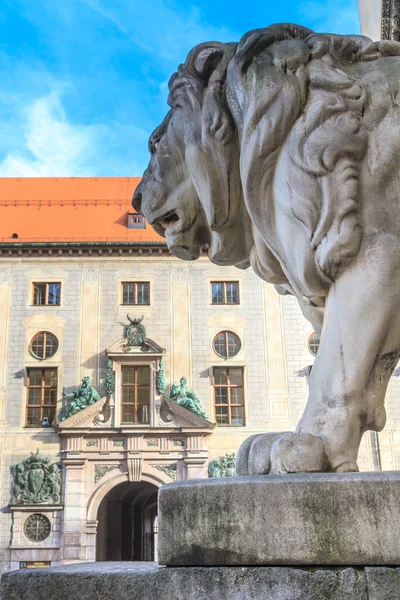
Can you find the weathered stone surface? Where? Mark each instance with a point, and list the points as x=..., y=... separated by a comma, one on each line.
x=270, y=156
x=300, y=519
x=147, y=581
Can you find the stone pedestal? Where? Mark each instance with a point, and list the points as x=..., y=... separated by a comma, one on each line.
x=316, y=519
x=147, y=581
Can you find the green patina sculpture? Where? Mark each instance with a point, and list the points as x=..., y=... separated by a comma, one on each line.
x=109, y=381
x=183, y=395
x=224, y=467
x=35, y=481
x=160, y=379
x=135, y=332
x=80, y=399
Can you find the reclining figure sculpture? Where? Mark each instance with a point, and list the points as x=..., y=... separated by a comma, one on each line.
x=282, y=152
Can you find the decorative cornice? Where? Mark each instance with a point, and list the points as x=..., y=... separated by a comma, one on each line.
x=83, y=418
x=390, y=22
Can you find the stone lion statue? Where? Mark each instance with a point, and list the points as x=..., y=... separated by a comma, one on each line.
x=283, y=152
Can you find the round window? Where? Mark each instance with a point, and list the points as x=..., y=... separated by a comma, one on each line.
x=226, y=344
x=313, y=343
x=37, y=528
x=44, y=345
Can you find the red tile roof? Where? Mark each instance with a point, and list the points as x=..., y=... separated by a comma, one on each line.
x=69, y=209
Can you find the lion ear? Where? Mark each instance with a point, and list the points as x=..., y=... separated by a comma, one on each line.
x=210, y=61
x=207, y=62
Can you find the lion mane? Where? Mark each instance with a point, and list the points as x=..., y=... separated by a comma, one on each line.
x=301, y=132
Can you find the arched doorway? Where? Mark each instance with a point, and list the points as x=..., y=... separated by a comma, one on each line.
x=127, y=523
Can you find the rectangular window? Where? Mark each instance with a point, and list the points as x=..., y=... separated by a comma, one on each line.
x=42, y=396
x=135, y=394
x=136, y=221
x=228, y=395
x=136, y=293
x=225, y=292
x=46, y=294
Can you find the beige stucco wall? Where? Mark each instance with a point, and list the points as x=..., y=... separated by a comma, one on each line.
x=180, y=319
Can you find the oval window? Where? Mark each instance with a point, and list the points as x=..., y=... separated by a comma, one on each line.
x=226, y=344
x=44, y=345
x=313, y=343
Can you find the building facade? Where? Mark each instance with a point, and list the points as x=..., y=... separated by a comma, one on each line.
x=102, y=335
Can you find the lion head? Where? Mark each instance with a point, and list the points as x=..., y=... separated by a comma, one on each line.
x=259, y=156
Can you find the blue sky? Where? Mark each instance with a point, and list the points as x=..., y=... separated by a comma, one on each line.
x=84, y=82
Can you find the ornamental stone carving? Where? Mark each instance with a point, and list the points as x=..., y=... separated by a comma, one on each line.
x=224, y=467
x=135, y=332
x=91, y=276
x=78, y=400
x=281, y=152
x=184, y=396
x=36, y=481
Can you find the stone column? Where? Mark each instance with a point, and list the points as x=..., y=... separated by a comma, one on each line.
x=277, y=382
x=90, y=324
x=371, y=18
x=181, y=331
x=75, y=499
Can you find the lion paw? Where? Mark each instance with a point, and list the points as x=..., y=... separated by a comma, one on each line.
x=282, y=452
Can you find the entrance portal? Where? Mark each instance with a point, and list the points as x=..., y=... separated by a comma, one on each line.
x=127, y=523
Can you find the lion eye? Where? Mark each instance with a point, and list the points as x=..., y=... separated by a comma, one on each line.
x=154, y=145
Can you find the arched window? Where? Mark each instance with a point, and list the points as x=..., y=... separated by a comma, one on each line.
x=226, y=344
x=313, y=343
x=44, y=345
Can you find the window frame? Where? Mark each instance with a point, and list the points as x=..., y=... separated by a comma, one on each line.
x=42, y=387
x=135, y=403
x=45, y=333
x=224, y=284
x=228, y=404
x=226, y=332
x=314, y=333
x=46, y=283
x=135, y=288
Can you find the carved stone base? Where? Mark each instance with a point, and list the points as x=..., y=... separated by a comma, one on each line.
x=147, y=581
x=308, y=519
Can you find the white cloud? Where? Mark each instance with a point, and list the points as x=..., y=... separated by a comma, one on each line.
x=50, y=146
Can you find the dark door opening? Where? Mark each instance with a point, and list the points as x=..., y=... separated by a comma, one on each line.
x=127, y=523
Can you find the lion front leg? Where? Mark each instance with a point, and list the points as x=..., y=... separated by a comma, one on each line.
x=360, y=346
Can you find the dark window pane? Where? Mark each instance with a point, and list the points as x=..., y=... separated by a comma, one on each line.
x=35, y=377
x=143, y=375
x=221, y=395
x=221, y=415
x=54, y=293
x=143, y=293
x=220, y=345
x=50, y=397
x=50, y=413
x=50, y=377
x=128, y=375
x=128, y=414
x=233, y=345
x=33, y=416
x=220, y=376
x=237, y=415
x=38, y=345
x=143, y=414
x=39, y=294
x=51, y=345
x=143, y=394
x=236, y=395
x=34, y=397
x=217, y=292
x=128, y=293
x=236, y=377
x=128, y=393
x=232, y=293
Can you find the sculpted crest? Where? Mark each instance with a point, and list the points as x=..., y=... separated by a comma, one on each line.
x=282, y=152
